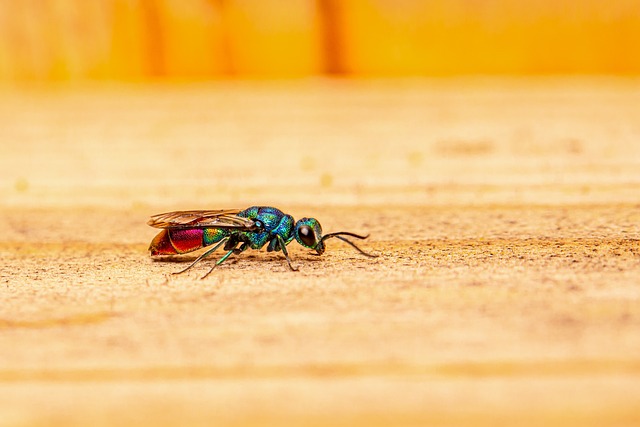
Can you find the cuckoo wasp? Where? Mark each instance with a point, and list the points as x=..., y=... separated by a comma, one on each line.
x=238, y=230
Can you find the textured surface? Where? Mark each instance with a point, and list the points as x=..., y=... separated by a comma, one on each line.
x=506, y=214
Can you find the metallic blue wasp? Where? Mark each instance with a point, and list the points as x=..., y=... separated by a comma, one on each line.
x=187, y=231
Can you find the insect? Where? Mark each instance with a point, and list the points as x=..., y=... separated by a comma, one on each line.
x=238, y=230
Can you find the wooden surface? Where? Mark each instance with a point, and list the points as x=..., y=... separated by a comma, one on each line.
x=505, y=212
x=72, y=40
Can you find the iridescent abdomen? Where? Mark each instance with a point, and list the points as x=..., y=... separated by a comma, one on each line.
x=171, y=242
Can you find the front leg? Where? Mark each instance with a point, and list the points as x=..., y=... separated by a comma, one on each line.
x=283, y=246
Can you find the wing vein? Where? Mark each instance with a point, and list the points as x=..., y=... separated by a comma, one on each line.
x=222, y=218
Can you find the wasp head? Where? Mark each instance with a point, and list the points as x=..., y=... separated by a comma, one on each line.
x=308, y=232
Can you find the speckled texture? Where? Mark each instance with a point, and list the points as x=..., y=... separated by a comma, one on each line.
x=506, y=215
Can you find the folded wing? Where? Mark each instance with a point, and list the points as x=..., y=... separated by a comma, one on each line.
x=222, y=218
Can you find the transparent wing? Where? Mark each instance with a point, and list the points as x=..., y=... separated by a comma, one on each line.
x=223, y=218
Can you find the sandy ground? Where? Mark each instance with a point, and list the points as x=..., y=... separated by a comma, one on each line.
x=505, y=212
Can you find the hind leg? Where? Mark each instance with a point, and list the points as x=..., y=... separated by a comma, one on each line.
x=203, y=256
x=222, y=259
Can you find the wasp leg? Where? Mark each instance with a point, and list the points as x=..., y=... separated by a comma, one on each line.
x=283, y=246
x=204, y=255
x=220, y=261
x=241, y=249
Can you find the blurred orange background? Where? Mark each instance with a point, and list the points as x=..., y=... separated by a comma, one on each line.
x=53, y=40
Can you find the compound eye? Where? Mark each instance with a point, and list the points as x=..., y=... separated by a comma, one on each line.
x=307, y=236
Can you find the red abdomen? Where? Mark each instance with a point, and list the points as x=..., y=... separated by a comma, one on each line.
x=171, y=242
